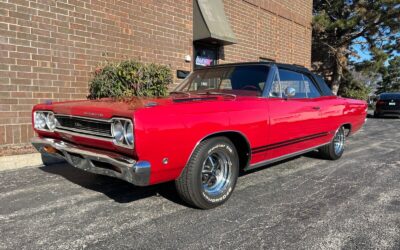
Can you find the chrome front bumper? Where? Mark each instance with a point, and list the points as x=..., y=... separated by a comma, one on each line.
x=96, y=161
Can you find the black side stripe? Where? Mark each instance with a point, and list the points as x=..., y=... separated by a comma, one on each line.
x=287, y=143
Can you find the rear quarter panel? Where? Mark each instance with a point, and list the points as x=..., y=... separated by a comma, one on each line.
x=356, y=113
x=337, y=111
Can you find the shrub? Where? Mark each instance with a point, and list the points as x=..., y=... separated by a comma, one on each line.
x=130, y=78
x=360, y=93
x=353, y=88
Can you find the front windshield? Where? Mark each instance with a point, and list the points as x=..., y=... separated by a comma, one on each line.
x=238, y=80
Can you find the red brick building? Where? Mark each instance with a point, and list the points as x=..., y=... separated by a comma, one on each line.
x=48, y=48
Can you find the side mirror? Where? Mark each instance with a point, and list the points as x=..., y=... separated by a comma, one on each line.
x=290, y=92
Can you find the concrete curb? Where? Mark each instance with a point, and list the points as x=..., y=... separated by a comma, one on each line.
x=20, y=161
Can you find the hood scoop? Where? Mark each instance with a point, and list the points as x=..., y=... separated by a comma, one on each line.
x=194, y=99
x=151, y=104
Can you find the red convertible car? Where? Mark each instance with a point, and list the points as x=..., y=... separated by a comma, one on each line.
x=220, y=120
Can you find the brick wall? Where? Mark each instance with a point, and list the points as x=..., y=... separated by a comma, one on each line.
x=276, y=30
x=48, y=48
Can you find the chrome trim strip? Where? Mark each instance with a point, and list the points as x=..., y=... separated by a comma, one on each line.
x=283, y=157
x=83, y=135
x=135, y=172
x=86, y=118
x=62, y=128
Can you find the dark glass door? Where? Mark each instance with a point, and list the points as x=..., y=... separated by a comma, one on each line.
x=205, y=55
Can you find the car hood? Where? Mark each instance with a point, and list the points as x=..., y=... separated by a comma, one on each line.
x=102, y=108
x=107, y=108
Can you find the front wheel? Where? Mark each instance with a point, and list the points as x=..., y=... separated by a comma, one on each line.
x=211, y=174
x=335, y=148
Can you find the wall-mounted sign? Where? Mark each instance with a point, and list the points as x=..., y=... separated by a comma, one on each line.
x=203, y=61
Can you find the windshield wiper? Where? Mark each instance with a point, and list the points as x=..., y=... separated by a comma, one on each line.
x=179, y=92
x=217, y=93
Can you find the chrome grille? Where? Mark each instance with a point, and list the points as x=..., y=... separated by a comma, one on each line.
x=84, y=125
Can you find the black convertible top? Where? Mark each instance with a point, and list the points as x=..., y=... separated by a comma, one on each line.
x=322, y=85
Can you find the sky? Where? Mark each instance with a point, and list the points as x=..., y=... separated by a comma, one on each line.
x=363, y=53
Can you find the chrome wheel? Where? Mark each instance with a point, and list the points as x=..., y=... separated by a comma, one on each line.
x=338, y=141
x=216, y=173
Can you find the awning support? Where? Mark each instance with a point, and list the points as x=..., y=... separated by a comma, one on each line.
x=210, y=23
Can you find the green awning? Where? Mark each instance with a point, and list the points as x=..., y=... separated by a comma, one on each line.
x=210, y=23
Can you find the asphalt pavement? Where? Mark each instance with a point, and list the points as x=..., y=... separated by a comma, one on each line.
x=302, y=203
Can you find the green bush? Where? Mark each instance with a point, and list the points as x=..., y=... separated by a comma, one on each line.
x=361, y=93
x=130, y=78
x=353, y=88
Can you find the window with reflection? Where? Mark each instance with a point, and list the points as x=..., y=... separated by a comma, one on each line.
x=239, y=80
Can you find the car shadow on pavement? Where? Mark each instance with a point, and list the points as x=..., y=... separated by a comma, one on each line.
x=118, y=190
x=124, y=192
x=389, y=117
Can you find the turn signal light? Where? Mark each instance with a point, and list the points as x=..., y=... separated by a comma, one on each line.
x=49, y=149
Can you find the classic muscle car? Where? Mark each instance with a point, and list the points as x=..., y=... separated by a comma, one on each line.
x=220, y=120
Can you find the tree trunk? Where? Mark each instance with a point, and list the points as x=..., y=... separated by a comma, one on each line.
x=337, y=78
x=341, y=62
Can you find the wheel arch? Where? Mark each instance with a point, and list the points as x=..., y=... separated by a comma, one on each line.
x=238, y=139
x=348, y=127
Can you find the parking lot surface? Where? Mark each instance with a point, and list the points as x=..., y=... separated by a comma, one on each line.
x=303, y=203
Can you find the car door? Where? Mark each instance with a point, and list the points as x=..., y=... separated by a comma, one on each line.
x=329, y=108
x=292, y=119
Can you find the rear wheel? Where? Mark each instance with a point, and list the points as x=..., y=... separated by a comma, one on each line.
x=334, y=150
x=211, y=174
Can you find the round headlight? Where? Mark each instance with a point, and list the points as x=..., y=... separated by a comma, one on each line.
x=129, y=133
x=51, y=121
x=40, y=120
x=118, y=131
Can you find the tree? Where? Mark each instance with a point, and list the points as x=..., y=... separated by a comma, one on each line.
x=338, y=25
x=390, y=77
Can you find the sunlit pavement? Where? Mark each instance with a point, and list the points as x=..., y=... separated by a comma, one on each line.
x=304, y=203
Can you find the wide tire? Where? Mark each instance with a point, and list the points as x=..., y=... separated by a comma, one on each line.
x=209, y=178
x=334, y=150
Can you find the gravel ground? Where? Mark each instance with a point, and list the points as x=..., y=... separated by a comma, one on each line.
x=304, y=203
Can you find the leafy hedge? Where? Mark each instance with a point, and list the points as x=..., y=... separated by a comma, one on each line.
x=130, y=78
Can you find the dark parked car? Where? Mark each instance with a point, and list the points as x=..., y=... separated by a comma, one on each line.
x=388, y=104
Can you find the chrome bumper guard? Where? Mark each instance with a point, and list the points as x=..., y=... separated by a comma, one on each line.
x=97, y=161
